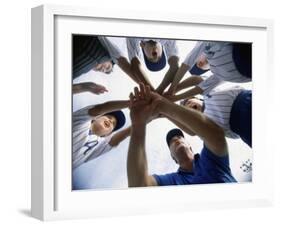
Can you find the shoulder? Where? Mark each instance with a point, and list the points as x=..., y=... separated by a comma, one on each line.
x=175, y=178
x=207, y=156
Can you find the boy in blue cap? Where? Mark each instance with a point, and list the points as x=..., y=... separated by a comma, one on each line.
x=92, y=129
x=155, y=53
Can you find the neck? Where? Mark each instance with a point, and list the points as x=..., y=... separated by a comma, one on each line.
x=186, y=164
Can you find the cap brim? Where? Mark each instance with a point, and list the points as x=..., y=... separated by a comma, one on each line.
x=120, y=119
x=172, y=133
x=155, y=66
x=197, y=71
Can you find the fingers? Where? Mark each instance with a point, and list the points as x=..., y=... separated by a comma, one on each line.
x=147, y=93
x=131, y=100
x=142, y=91
x=137, y=94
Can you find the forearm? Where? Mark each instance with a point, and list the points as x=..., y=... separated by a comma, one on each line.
x=179, y=75
x=181, y=126
x=136, y=161
x=78, y=88
x=189, y=93
x=118, y=137
x=107, y=107
x=189, y=82
x=193, y=120
x=126, y=67
x=169, y=76
x=139, y=73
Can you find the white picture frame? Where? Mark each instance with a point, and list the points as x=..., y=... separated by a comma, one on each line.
x=52, y=197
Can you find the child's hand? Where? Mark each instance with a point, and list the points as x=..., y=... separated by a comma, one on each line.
x=94, y=88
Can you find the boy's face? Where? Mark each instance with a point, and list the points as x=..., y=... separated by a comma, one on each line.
x=103, y=125
x=153, y=50
x=179, y=148
x=195, y=104
x=203, y=63
x=105, y=67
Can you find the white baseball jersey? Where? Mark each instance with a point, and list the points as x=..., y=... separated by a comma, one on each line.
x=114, y=51
x=86, y=146
x=217, y=106
x=222, y=66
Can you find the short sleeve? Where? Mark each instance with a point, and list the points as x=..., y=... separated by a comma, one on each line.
x=133, y=46
x=112, y=48
x=209, y=84
x=192, y=57
x=164, y=180
x=171, y=48
x=215, y=166
x=82, y=115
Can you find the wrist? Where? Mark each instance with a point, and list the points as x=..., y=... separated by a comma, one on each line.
x=138, y=128
x=161, y=106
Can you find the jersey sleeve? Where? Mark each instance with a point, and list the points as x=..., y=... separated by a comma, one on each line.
x=133, y=46
x=192, y=57
x=171, y=48
x=209, y=84
x=164, y=180
x=216, y=167
x=113, y=50
x=82, y=115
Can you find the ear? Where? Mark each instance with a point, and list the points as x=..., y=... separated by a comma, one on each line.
x=200, y=64
x=142, y=44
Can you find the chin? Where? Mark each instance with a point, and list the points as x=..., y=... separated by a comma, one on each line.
x=181, y=148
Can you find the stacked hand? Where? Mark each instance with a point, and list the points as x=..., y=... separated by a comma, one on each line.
x=143, y=104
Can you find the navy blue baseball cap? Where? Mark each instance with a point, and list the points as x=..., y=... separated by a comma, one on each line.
x=120, y=119
x=155, y=66
x=172, y=133
x=197, y=71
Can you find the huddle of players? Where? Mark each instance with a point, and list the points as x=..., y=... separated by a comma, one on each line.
x=221, y=113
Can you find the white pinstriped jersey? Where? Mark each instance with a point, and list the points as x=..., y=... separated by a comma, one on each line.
x=218, y=104
x=222, y=66
x=114, y=51
x=134, y=50
x=86, y=146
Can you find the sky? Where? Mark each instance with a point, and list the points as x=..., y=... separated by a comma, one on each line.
x=109, y=170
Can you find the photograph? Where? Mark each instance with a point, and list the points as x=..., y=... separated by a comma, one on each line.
x=156, y=111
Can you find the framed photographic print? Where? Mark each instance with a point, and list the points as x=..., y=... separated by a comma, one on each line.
x=189, y=137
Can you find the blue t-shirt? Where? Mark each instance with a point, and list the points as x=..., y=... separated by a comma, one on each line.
x=207, y=168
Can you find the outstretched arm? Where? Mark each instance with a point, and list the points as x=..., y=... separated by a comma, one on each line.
x=119, y=136
x=101, y=109
x=169, y=76
x=88, y=87
x=137, y=170
x=189, y=82
x=189, y=93
x=181, y=126
x=125, y=66
x=212, y=135
x=179, y=75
